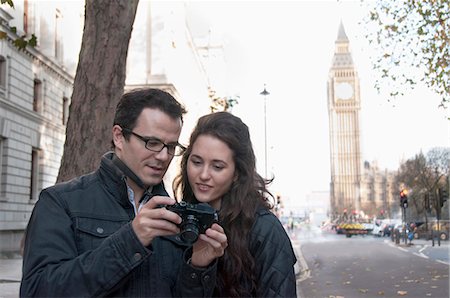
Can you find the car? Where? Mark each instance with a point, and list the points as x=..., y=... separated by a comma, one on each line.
x=368, y=227
x=431, y=229
x=383, y=227
x=378, y=226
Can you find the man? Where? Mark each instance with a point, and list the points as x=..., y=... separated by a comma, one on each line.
x=105, y=233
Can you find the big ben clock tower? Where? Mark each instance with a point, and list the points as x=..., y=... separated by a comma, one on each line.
x=343, y=113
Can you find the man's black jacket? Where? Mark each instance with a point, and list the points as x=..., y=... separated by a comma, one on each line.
x=80, y=243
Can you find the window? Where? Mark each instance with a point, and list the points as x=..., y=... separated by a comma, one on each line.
x=37, y=95
x=65, y=110
x=58, y=46
x=2, y=72
x=26, y=9
x=2, y=171
x=34, y=174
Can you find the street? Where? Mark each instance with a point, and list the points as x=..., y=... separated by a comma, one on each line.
x=368, y=266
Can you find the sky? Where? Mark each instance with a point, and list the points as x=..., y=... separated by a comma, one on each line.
x=289, y=45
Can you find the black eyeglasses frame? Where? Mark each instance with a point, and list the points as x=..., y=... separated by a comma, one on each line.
x=168, y=146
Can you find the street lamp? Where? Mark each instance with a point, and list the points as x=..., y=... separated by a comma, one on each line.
x=265, y=93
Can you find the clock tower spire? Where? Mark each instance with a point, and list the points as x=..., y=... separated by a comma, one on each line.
x=344, y=128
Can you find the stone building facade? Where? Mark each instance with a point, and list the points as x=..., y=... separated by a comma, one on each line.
x=379, y=192
x=35, y=92
x=36, y=87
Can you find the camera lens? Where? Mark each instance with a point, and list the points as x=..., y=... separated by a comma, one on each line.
x=189, y=230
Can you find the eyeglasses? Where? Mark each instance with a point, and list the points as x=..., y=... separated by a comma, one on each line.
x=156, y=145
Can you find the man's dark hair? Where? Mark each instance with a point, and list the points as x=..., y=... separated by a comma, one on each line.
x=133, y=102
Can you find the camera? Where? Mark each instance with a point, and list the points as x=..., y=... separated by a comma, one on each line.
x=196, y=219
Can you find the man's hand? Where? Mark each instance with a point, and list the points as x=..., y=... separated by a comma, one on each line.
x=209, y=246
x=153, y=221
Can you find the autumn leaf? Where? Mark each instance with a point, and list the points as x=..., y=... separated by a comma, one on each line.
x=363, y=290
x=9, y=2
x=33, y=40
x=20, y=43
x=402, y=293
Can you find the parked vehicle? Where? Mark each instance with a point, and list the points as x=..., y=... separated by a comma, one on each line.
x=350, y=229
x=425, y=231
x=383, y=227
x=378, y=226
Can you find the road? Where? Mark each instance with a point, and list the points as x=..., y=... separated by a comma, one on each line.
x=368, y=266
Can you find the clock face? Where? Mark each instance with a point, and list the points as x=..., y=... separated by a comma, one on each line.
x=344, y=90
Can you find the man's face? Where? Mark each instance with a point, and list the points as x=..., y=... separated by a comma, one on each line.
x=148, y=165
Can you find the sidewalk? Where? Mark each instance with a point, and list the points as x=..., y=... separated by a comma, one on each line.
x=11, y=272
x=10, y=275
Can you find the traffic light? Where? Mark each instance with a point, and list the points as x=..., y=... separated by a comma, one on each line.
x=443, y=196
x=403, y=199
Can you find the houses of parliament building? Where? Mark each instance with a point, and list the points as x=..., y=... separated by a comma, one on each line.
x=356, y=187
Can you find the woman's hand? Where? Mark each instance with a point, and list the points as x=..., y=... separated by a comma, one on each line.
x=209, y=246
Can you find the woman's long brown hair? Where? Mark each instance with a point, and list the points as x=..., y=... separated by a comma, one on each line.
x=236, y=269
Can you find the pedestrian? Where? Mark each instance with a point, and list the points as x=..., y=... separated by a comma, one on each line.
x=219, y=168
x=105, y=233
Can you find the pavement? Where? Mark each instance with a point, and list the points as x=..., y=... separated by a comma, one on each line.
x=11, y=272
x=10, y=275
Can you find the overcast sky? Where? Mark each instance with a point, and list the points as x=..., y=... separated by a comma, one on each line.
x=288, y=45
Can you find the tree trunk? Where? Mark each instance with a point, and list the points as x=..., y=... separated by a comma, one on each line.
x=99, y=84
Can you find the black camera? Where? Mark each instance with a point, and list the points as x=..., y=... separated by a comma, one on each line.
x=196, y=219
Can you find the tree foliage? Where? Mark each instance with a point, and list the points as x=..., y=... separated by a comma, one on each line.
x=9, y=2
x=413, y=37
x=99, y=84
x=423, y=175
x=20, y=42
x=219, y=103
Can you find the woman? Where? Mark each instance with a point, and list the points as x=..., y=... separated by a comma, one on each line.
x=219, y=168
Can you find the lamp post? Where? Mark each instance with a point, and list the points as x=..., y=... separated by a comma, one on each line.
x=265, y=93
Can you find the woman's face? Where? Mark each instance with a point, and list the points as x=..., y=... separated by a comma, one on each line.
x=210, y=169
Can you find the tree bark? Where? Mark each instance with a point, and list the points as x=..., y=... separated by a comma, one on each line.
x=99, y=84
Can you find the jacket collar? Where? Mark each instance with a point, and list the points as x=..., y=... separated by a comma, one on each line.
x=115, y=180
